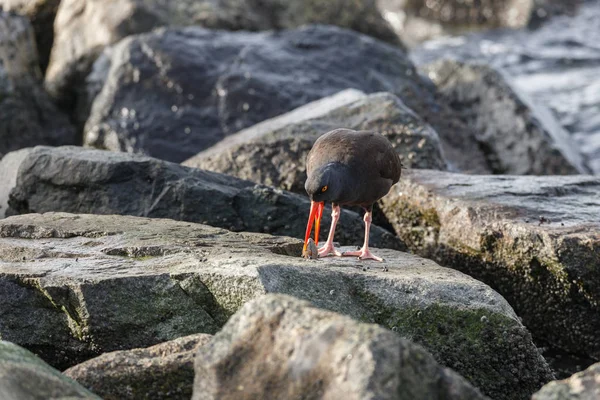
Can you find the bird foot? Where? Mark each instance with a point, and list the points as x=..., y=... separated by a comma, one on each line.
x=328, y=250
x=362, y=254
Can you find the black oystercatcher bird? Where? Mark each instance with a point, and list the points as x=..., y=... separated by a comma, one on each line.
x=347, y=167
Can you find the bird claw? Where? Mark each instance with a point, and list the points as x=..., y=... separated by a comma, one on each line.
x=328, y=250
x=362, y=254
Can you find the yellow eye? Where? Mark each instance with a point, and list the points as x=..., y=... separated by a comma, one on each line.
x=324, y=189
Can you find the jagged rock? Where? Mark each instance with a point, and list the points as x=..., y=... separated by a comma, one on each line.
x=24, y=376
x=535, y=239
x=274, y=152
x=84, y=27
x=218, y=83
x=557, y=65
x=41, y=13
x=115, y=282
x=73, y=179
x=27, y=115
x=581, y=386
x=164, y=371
x=519, y=138
x=281, y=348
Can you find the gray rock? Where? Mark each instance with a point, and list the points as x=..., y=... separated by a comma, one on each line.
x=278, y=347
x=24, y=376
x=557, y=65
x=218, y=83
x=517, y=138
x=535, y=239
x=164, y=371
x=85, y=27
x=118, y=282
x=584, y=385
x=77, y=180
x=41, y=13
x=274, y=152
x=27, y=115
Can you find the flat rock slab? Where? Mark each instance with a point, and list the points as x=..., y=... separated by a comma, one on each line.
x=101, y=283
x=175, y=92
x=583, y=385
x=77, y=180
x=274, y=151
x=23, y=375
x=278, y=347
x=164, y=371
x=535, y=239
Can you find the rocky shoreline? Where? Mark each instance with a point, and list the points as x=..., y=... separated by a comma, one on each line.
x=152, y=203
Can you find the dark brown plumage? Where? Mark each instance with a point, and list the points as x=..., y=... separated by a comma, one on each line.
x=347, y=167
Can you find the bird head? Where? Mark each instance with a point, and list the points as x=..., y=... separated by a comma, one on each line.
x=323, y=184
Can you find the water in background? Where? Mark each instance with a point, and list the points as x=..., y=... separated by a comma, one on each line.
x=558, y=65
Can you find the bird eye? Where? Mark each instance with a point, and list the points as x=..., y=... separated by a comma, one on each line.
x=324, y=189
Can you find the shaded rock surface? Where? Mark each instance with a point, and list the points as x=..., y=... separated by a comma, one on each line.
x=85, y=27
x=23, y=375
x=175, y=92
x=41, y=13
x=118, y=282
x=517, y=138
x=27, y=115
x=274, y=152
x=282, y=348
x=534, y=239
x=584, y=385
x=73, y=179
x=163, y=371
x=558, y=66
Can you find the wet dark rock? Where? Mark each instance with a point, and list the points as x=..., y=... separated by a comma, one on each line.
x=584, y=385
x=112, y=282
x=41, y=13
x=27, y=115
x=218, y=83
x=274, y=152
x=558, y=66
x=163, y=371
x=489, y=227
x=85, y=27
x=518, y=138
x=23, y=375
x=282, y=348
x=73, y=179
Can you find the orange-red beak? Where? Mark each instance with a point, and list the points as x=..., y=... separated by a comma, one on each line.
x=316, y=211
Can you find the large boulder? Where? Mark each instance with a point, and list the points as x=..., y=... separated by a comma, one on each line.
x=519, y=138
x=77, y=180
x=278, y=347
x=534, y=239
x=274, y=152
x=23, y=375
x=164, y=371
x=584, y=385
x=199, y=86
x=27, y=115
x=84, y=27
x=557, y=66
x=100, y=283
x=41, y=13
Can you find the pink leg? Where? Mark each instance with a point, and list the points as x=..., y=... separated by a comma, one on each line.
x=328, y=248
x=365, y=253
